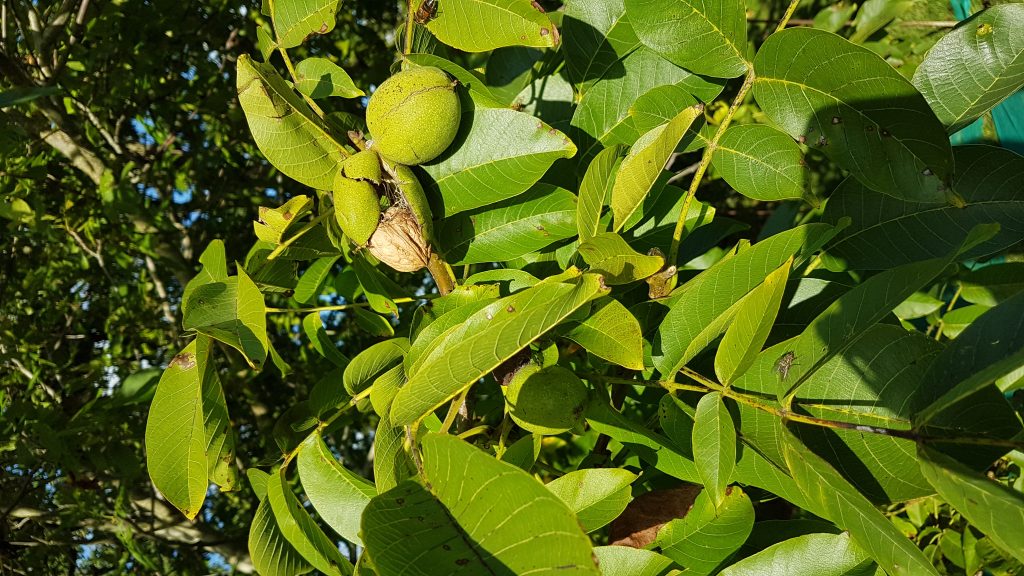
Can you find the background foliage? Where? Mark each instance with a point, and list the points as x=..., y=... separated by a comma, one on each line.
x=128, y=169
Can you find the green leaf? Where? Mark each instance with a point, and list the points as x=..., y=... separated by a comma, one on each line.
x=654, y=108
x=328, y=394
x=714, y=446
x=651, y=447
x=17, y=210
x=707, y=535
x=376, y=287
x=24, y=94
x=612, y=333
x=509, y=229
x=258, y=480
x=888, y=232
x=990, y=506
x=270, y=552
x=320, y=78
x=511, y=525
x=698, y=308
x=294, y=20
x=232, y=312
x=626, y=561
x=435, y=337
x=338, y=495
x=481, y=94
x=918, y=305
x=596, y=495
x=645, y=161
x=974, y=67
x=762, y=163
x=176, y=432
x=499, y=23
x=851, y=511
x=313, y=326
x=992, y=346
x=879, y=381
x=808, y=555
x=288, y=133
x=497, y=332
x=372, y=362
x=846, y=319
x=595, y=191
x=595, y=36
x=312, y=280
x=749, y=330
x=606, y=106
x=523, y=453
x=609, y=255
x=265, y=42
x=499, y=153
x=873, y=123
x=706, y=37
x=275, y=223
x=874, y=15
x=220, y=437
x=992, y=284
x=391, y=463
x=956, y=321
x=301, y=531
x=511, y=69
x=215, y=269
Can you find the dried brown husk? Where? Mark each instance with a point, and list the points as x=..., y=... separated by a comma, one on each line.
x=398, y=241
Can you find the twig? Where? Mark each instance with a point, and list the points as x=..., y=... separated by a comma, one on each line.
x=288, y=64
x=453, y=411
x=158, y=285
x=349, y=306
x=907, y=23
x=409, y=20
x=705, y=161
x=299, y=234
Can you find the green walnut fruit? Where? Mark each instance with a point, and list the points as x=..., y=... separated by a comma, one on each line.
x=414, y=115
x=356, y=208
x=363, y=165
x=546, y=400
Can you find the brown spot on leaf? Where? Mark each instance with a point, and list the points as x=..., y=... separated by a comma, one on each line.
x=510, y=309
x=323, y=28
x=822, y=141
x=801, y=139
x=287, y=215
x=462, y=561
x=837, y=120
x=185, y=361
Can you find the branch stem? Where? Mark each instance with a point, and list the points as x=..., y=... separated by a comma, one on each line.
x=288, y=64
x=409, y=21
x=299, y=233
x=707, y=385
x=705, y=161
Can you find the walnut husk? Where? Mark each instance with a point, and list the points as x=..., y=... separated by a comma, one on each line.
x=398, y=241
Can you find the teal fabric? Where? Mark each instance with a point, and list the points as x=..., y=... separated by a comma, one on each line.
x=1009, y=121
x=961, y=8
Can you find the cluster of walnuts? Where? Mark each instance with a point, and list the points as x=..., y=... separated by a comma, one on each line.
x=378, y=202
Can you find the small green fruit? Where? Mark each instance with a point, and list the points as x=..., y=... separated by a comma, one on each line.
x=546, y=400
x=363, y=165
x=414, y=115
x=356, y=207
